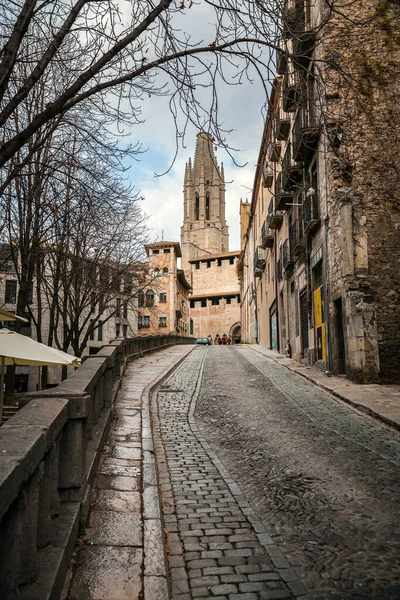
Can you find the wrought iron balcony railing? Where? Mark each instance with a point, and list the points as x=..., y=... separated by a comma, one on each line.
x=283, y=197
x=311, y=218
x=305, y=134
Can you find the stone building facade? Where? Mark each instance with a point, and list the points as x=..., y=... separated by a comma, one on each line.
x=163, y=301
x=323, y=236
x=209, y=266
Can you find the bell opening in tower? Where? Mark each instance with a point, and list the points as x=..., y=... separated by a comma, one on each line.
x=197, y=208
x=207, y=206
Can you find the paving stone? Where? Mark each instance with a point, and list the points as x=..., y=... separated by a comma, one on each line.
x=154, y=548
x=112, y=500
x=99, y=574
x=116, y=482
x=156, y=588
x=204, y=581
x=114, y=529
x=224, y=589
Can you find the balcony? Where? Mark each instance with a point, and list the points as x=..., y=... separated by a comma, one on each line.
x=267, y=236
x=291, y=172
x=267, y=175
x=274, y=150
x=282, y=197
x=293, y=20
x=296, y=28
x=303, y=46
x=282, y=126
x=274, y=218
x=259, y=261
x=290, y=92
x=287, y=259
x=305, y=134
x=279, y=270
x=310, y=212
x=281, y=61
x=296, y=238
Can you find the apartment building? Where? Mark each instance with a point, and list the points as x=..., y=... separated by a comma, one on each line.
x=321, y=254
x=163, y=301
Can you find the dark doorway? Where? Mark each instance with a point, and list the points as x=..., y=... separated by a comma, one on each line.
x=339, y=342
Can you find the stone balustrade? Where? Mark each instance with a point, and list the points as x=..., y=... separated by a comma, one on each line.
x=49, y=453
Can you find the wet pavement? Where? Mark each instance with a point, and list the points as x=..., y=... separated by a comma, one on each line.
x=323, y=478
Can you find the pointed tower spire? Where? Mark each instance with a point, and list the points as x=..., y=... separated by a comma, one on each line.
x=204, y=230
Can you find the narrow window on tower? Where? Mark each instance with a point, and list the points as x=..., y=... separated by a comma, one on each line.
x=197, y=208
x=207, y=206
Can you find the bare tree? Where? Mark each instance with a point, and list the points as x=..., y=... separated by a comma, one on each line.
x=101, y=53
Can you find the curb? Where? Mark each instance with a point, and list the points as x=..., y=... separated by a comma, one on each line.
x=360, y=407
x=155, y=570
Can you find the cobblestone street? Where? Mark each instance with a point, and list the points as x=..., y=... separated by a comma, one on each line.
x=270, y=487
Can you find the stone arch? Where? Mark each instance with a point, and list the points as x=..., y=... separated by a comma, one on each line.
x=235, y=333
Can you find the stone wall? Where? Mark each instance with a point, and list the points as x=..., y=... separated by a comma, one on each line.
x=213, y=320
x=215, y=274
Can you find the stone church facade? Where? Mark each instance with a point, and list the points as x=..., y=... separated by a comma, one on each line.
x=209, y=266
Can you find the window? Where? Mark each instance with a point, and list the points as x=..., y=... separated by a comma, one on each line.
x=215, y=301
x=197, y=208
x=207, y=206
x=156, y=272
x=125, y=310
x=118, y=308
x=228, y=300
x=197, y=265
x=192, y=304
x=143, y=321
x=11, y=292
x=165, y=270
x=93, y=302
x=156, y=252
x=124, y=331
x=141, y=300
x=104, y=276
x=7, y=264
x=128, y=284
x=117, y=329
x=203, y=303
x=208, y=264
x=162, y=321
x=163, y=296
x=100, y=332
x=91, y=324
x=150, y=298
x=219, y=262
x=232, y=260
x=167, y=250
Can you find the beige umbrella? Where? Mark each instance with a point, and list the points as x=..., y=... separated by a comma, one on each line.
x=20, y=350
x=5, y=315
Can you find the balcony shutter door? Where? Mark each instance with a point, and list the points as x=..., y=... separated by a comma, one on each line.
x=304, y=321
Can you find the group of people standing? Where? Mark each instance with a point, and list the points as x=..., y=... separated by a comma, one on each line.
x=221, y=341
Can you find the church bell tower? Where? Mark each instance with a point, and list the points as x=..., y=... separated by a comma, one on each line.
x=204, y=229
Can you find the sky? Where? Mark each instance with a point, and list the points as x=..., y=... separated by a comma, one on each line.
x=239, y=110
